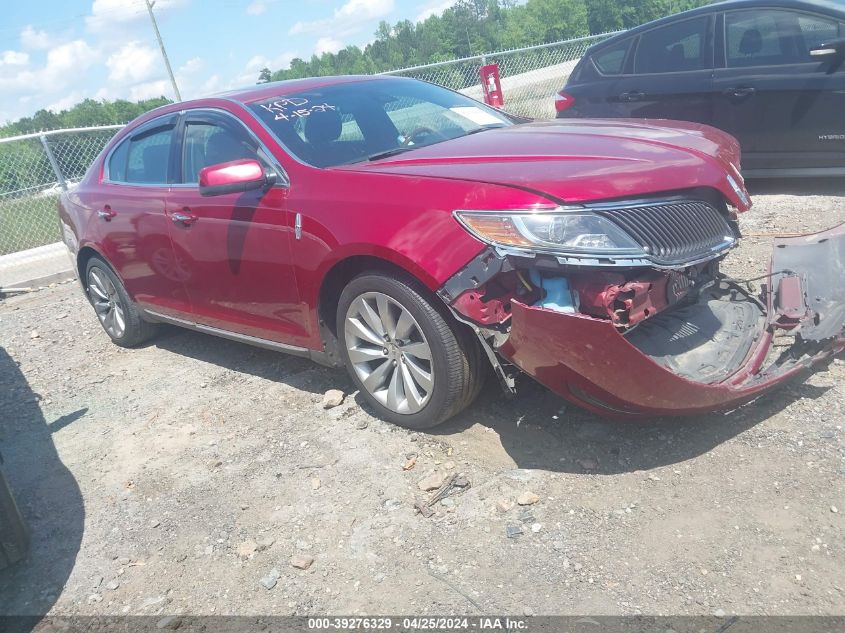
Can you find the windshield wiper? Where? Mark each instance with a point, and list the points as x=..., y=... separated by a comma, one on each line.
x=389, y=152
x=482, y=128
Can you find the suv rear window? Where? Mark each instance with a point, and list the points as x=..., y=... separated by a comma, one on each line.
x=610, y=61
x=675, y=47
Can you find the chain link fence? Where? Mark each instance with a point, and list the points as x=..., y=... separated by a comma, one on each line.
x=33, y=170
x=530, y=76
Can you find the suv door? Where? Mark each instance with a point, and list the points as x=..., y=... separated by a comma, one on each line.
x=236, y=246
x=133, y=230
x=670, y=73
x=785, y=106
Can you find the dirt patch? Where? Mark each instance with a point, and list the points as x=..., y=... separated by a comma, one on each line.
x=192, y=474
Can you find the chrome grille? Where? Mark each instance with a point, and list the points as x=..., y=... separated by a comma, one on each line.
x=674, y=231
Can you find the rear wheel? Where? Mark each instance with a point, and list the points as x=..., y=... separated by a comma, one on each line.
x=415, y=366
x=117, y=313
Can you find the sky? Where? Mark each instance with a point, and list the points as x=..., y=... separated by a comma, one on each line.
x=55, y=53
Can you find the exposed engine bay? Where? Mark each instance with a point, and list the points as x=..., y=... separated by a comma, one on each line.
x=690, y=320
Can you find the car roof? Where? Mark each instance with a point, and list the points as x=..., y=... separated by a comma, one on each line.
x=272, y=89
x=835, y=8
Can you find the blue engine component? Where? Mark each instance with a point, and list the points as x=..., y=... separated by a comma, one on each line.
x=558, y=295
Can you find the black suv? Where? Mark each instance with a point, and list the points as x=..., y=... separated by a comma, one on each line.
x=770, y=72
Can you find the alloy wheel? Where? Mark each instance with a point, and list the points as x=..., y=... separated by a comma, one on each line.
x=106, y=302
x=389, y=352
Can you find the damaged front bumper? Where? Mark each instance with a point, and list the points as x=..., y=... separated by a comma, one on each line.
x=717, y=350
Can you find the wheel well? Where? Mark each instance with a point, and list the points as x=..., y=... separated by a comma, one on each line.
x=336, y=279
x=82, y=258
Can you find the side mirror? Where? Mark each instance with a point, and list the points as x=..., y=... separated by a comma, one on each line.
x=836, y=47
x=235, y=176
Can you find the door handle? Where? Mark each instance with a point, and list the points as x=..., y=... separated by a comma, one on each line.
x=183, y=217
x=106, y=213
x=740, y=92
x=631, y=96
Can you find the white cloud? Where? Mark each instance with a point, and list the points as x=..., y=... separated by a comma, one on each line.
x=347, y=19
x=65, y=61
x=34, y=40
x=13, y=58
x=134, y=62
x=433, y=7
x=327, y=45
x=107, y=15
x=150, y=90
x=256, y=8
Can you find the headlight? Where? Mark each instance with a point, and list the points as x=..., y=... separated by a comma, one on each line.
x=576, y=231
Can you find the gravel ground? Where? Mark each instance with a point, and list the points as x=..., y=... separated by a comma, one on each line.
x=190, y=475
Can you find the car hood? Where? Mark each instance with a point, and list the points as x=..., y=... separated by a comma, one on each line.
x=579, y=160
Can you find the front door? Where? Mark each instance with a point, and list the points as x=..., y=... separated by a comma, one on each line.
x=784, y=106
x=235, y=247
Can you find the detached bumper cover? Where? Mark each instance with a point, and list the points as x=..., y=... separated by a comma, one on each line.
x=588, y=361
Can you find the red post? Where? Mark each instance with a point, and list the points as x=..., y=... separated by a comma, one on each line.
x=492, y=85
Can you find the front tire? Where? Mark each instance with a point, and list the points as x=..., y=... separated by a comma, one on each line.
x=116, y=312
x=414, y=365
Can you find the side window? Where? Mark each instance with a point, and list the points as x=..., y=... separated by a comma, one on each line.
x=149, y=156
x=677, y=47
x=611, y=60
x=117, y=162
x=759, y=38
x=815, y=31
x=210, y=144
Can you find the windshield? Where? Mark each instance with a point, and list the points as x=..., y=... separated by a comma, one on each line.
x=368, y=120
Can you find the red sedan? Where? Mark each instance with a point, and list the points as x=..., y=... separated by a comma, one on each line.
x=420, y=238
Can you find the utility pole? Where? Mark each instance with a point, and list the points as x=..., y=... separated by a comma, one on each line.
x=150, y=4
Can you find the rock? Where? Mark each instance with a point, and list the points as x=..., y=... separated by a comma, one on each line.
x=527, y=498
x=362, y=424
x=264, y=543
x=247, y=549
x=536, y=527
x=379, y=577
x=34, y=334
x=169, y=622
x=447, y=503
x=410, y=462
x=834, y=509
x=504, y=505
x=124, y=560
x=513, y=531
x=112, y=585
x=461, y=482
x=558, y=545
x=392, y=504
x=450, y=465
x=527, y=611
x=588, y=463
x=332, y=398
x=269, y=581
x=432, y=481
x=315, y=483
x=301, y=561
x=154, y=523
x=719, y=613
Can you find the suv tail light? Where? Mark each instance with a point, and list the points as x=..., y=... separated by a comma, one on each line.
x=563, y=101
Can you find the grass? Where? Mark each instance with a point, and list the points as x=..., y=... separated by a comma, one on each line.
x=28, y=222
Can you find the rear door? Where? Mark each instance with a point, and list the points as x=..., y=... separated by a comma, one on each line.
x=669, y=75
x=133, y=229
x=236, y=247
x=786, y=108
